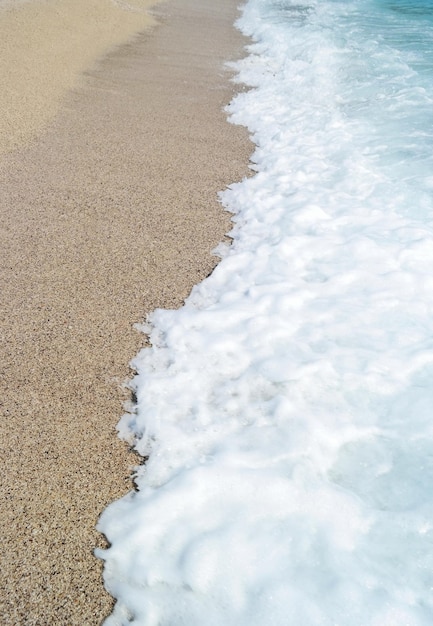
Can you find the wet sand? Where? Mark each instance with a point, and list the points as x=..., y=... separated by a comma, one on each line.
x=110, y=212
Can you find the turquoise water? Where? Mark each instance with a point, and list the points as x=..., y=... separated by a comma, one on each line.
x=380, y=75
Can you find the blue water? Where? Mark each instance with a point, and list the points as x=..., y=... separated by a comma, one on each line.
x=379, y=75
x=387, y=78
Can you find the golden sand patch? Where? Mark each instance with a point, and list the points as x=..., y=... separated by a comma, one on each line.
x=45, y=45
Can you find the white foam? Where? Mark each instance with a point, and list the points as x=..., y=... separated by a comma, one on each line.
x=286, y=408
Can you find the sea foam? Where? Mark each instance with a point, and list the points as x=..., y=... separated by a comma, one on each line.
x=286, y=409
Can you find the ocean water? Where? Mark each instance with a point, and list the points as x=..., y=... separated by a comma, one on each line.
x=287, y=409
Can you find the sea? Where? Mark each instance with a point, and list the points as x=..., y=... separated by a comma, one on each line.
x=285, y=412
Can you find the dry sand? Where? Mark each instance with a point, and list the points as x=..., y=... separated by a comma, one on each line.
x=109, y=213
x=45, y=45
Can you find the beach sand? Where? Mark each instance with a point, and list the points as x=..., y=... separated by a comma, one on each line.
x=109, y=212
x=45, y=46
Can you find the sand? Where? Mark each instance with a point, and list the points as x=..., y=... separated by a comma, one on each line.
x=109, y=212
x=45, y=45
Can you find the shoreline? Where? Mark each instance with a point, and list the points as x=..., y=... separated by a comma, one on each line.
x=110, y=213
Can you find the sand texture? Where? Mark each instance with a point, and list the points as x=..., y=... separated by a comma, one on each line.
x=109, y=213
x=45, y=45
